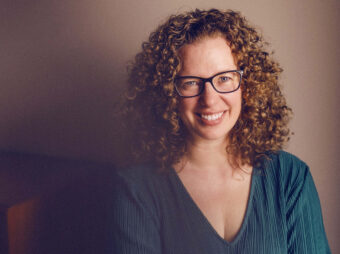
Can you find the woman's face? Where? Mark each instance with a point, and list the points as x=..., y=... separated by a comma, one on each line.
x=211, y=115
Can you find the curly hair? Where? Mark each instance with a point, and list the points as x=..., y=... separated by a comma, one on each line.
x=152, y=103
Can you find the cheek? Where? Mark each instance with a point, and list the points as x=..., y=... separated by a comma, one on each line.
x=238, y=97
x=234, y=100
x=181, y=109
x=186, y=106
x=186, y=110
x=239, y=105
x=238, y=100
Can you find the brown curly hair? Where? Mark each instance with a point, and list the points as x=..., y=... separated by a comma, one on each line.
x=158, y=133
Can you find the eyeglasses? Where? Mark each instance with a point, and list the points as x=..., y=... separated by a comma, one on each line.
x=222, y=82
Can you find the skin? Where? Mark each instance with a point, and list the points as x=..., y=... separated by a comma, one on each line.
x=205, y=58
x=220, y=191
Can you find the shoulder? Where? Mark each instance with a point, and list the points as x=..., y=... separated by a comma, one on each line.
x=135, y=172
x=134, y=205
x=140, y=182
x=285, y=164
x=287, y=172
x=139, y=175
x=288, y=159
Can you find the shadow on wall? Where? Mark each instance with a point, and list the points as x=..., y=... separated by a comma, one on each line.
x=71, y=220
x=62, y=71
x=63, y=67
x=52, y=205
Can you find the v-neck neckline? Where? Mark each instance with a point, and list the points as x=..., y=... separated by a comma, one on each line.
x=205, y=220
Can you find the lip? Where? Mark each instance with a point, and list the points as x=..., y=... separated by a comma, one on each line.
x=210, y=122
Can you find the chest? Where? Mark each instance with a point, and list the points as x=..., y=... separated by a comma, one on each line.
x=223, y=204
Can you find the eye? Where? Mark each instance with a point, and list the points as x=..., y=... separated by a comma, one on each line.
x=190, y=83
x=224, y=79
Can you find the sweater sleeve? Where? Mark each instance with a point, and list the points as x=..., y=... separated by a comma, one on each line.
x=134, y=229
x=306, y=233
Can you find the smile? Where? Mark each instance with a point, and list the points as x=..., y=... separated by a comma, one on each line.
x=212, y=117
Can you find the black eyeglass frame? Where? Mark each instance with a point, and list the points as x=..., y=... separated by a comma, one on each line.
x=204, y=80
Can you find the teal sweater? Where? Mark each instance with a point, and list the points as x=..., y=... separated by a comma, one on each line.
x=154, y=213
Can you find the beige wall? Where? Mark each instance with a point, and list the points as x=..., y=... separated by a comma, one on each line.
x=62, y=66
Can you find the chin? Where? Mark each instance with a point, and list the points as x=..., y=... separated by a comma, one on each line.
x=213, y=136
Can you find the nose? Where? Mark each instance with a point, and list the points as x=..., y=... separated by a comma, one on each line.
x=209, y=95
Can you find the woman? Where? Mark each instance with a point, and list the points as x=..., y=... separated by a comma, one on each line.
x=209, y=122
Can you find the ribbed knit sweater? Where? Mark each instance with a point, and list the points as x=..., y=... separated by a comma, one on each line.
x=154, y=213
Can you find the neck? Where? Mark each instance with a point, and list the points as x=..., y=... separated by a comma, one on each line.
x=206, y=155
x=207, y=158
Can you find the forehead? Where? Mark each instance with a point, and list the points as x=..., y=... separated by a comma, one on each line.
x=206, y=56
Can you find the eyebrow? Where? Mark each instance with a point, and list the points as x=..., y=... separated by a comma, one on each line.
x=191, y=76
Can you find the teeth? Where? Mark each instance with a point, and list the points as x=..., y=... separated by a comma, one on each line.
x=212, y=117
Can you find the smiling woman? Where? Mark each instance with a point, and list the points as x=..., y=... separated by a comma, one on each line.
x=210, y=114
x=208, y=122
